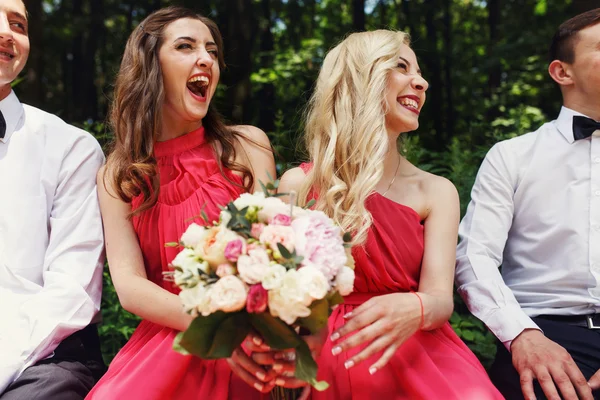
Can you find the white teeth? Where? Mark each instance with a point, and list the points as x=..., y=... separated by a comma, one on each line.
x=6, y=54
x=409, y=102
x=201, y=78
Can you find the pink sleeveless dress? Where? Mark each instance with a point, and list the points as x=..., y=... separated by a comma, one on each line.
x=147, y=367
x=430, y=365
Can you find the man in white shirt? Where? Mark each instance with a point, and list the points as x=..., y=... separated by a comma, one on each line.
x=51, y=244
x=535, y=210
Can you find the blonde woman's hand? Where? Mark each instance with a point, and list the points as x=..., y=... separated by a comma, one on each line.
x=384, y=322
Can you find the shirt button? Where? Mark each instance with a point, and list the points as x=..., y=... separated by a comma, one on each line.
x=597, y=193
x=597, y=160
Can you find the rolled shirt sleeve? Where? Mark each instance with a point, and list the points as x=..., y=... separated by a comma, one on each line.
x=483, y=233
x=70, y=292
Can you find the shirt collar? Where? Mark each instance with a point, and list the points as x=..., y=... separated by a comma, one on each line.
x=564, y=122
x=12, y=110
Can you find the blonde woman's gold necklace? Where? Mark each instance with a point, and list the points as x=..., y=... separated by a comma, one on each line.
x=394, y=177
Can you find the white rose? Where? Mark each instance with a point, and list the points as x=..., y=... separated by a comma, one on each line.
x=192, y=297
x=228, y=294
x=187, y=268
x=224, y=217
x=314, y=282
x=289, y=311
x=271, y=207
x=212, y=246
x=292, y=287
x=193, y=235
x=248, y=200
x=344, y=281
x=253, y=267
x=273, y=278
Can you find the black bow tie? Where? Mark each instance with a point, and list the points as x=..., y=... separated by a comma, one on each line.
x=583, y=127
x=2, y=126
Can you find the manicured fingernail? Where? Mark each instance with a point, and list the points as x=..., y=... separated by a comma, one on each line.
x=335, y=337
x=372, y=370
x=258, y=386
x=257, y=341
x=336, y=350
x=279, y=382
x=349, y=364
x=261, y=375
x=348, y=315
x=277, y=367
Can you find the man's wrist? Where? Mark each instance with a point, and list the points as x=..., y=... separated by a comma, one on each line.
x=525, y=333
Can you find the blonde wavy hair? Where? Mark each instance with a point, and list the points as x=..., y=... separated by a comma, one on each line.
x=345, y=131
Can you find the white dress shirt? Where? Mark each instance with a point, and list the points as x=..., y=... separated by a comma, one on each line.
x=535, y=210
x=51, y=240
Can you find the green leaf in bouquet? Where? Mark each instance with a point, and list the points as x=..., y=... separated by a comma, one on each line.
x=278, y=335
x=214, y=336
x=285, y=253
x=264, y=188
x=317, y=320
x=309, y=204
x=347, y=237
x=306, y=368
x=177, y=347
x=204, y=216
x=238, y=222
x=172, y=244
x=335, y=298
x=290, y=260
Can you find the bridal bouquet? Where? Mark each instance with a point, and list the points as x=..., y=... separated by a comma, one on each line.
x=265, y=266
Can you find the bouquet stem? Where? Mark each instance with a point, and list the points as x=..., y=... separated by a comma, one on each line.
x=279, y=393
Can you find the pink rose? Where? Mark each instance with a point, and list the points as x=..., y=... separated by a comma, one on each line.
x=273, y=234
x=224, y=270
x=320, y=242
x=257, y=229
x=281, y=219
x=257, y=299
x=234, y=250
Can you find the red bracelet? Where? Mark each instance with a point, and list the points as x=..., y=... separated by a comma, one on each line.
x=422, y=310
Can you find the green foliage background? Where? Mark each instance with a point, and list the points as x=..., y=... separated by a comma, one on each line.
x=485, y=61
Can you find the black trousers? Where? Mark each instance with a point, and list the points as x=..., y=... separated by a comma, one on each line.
x=69, y=375
x=583, y=345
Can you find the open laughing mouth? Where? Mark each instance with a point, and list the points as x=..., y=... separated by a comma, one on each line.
x=198, y=85
x=6, y=55
x=410, y=103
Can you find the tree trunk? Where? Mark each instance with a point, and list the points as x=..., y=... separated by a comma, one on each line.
x=266, y=94
x=406, y=23
x=382, y=14
x=448, y=68
x=438, y=141
x=33, y=92
x=75, y=97
x=581, y=6
x=358, y=15
x=239, y=31
x=494, y=76
x=495, y=71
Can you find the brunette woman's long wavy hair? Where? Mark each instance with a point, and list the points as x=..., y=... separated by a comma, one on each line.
x=135, y=115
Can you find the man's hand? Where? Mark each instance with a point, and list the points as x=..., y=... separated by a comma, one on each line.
x=537, y=357
x=594, y=381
